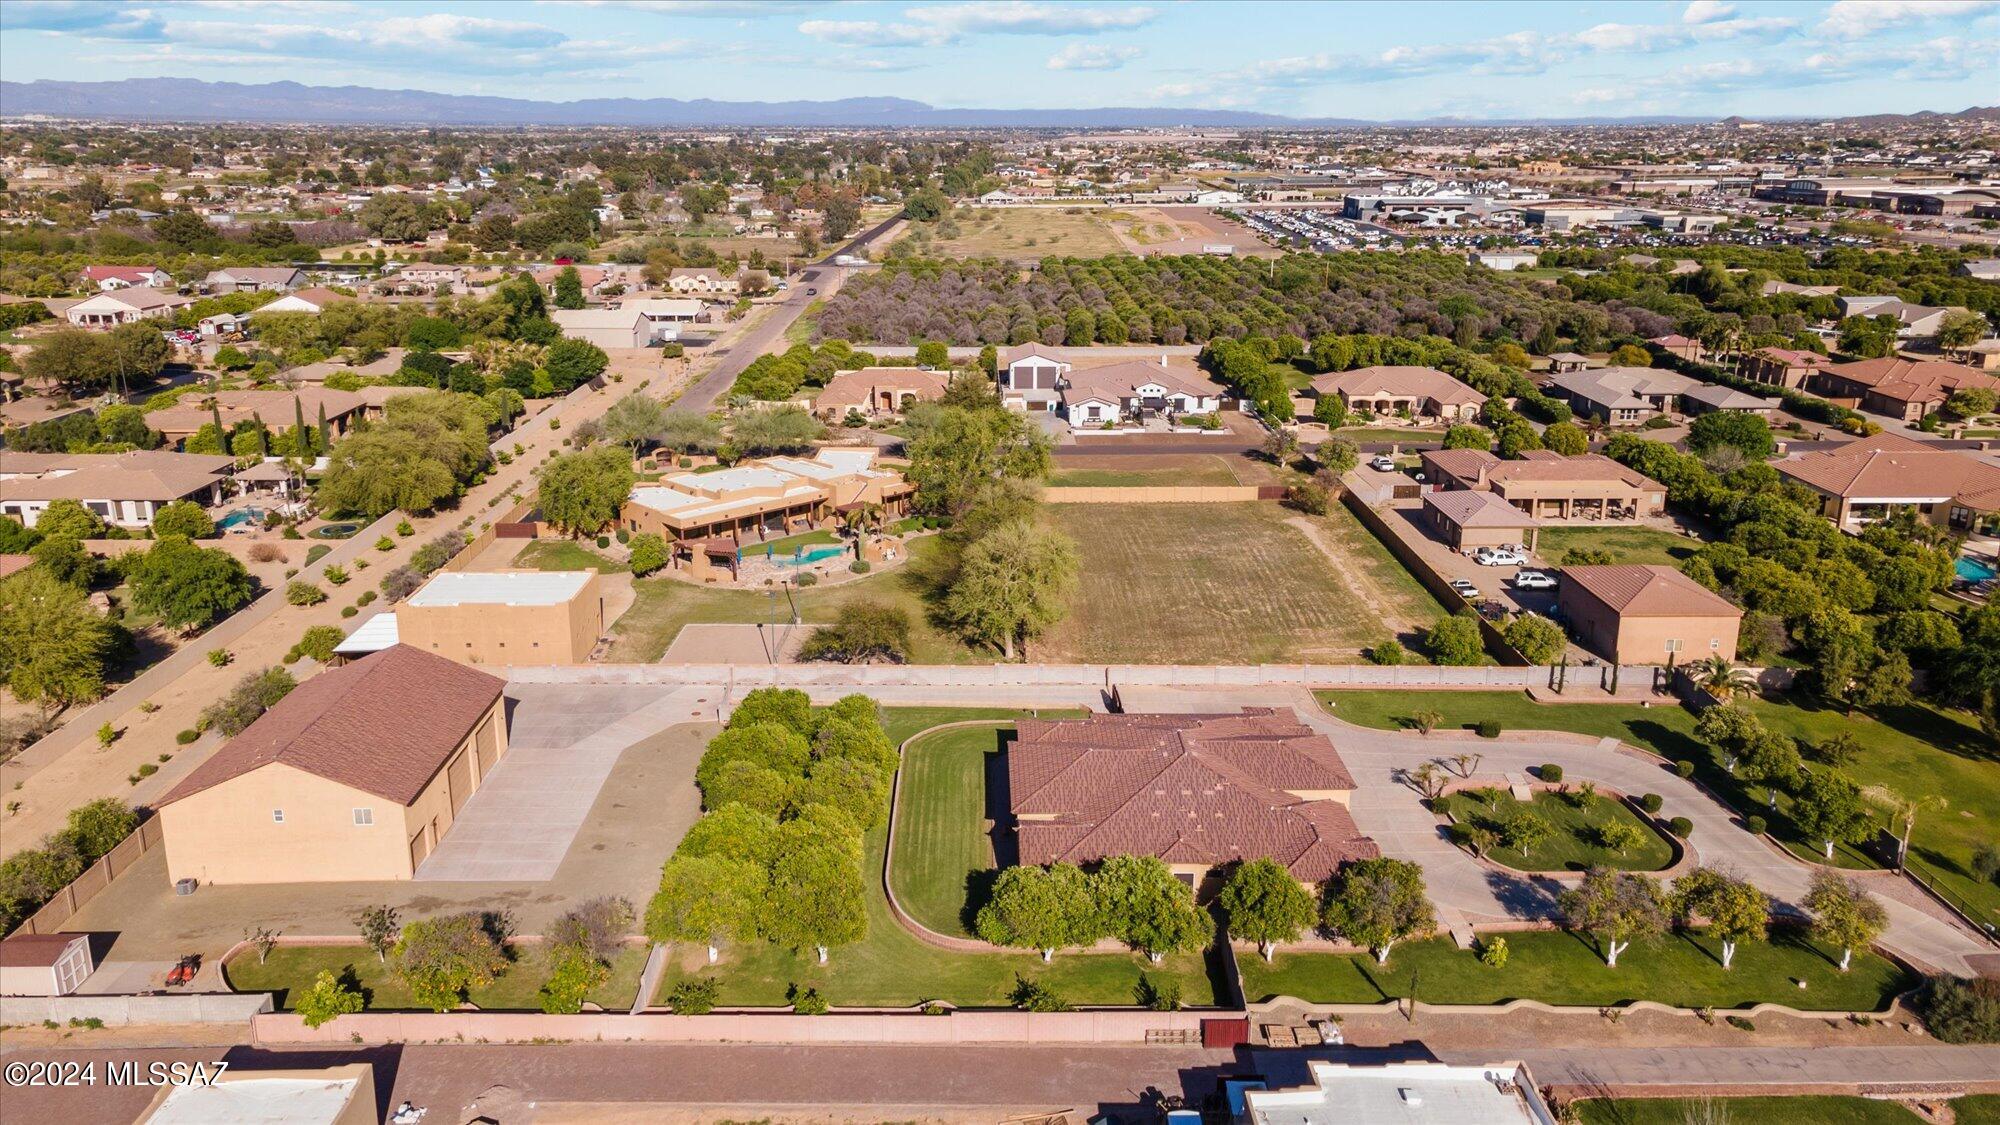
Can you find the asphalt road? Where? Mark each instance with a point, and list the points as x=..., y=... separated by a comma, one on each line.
x=823, y=276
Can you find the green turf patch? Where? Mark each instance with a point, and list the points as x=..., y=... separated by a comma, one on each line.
x=1813, y=1110
x=1576, y=821
x=293, y=968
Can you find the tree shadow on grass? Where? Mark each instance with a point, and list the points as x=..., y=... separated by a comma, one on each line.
x=978, y=892
x=1674, y=745
x=351, y=980
x=1689, y=938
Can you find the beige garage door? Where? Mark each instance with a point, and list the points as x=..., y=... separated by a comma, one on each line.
x=461, y=782
x=419, y=848
x=489, y=749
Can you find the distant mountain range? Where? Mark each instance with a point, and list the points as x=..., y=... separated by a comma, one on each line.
x=189, y=99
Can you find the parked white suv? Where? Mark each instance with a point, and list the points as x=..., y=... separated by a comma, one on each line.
x=1533, y=580
x=1498, y=556
x=1383, y=464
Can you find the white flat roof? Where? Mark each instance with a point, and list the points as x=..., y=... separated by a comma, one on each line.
x=730, y=480
x=594, y=318
x=509, y=588
x=374, y=635
x=257, y=1101
x=1417, y=1093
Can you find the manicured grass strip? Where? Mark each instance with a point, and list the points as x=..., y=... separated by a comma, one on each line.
x=1562, y=968
x=293, y=968
x=1811, y=1110
x=564, y=554
x=1202, y=472
x=1626, y=544
x=1977, y=1109
x=1914, y=750
x=942, y=850
x=1573, y=846
x=890, y=967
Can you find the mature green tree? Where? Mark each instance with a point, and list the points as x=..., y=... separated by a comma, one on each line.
x=1566, y=438
x=1843, y=914
x=733, y=832
x=707, y=899
x=188, y=587
x=864, y=632
x=328, y=999
x=379, y=925
x=569, y=289
x=184, y=518
x=1744, y=432
x=1829, y=808
x=1734, y=910
x=68, y=560
x=98, y=826
x=55, y=648
x=572, y=363
x=816, y=897
x=1455, y=640
x=1012, y=584
x=1535, y=637
x=1264, y=904
x=760, y=433
x=136, y=353
x=69, y=519
x=851, y=785
x=684, y=431
x=419, y=456
x=772, y=745
x=634, y=420
x=1040, y=908
x=1615, y=907
x=185, y=230
x=1377, y=903
x=1147, y=908
x=582, y=493
x=124, y=424
x=1960, y=329
x=395, y=217
x=787, y=707
x=71, y=359
x=1467, y=437
x=952, y=450
x=442, y=959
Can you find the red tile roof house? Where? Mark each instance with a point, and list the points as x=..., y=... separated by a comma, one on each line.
x=1781, y=367
x=106, y=278
x=1424, y=392
x=1679, y=346
x=1548, y=485
x=354, y=776
x=874, y=391
x=1197, y=791
x=1637, y=613
x=1873, y=478
x=1908, y=389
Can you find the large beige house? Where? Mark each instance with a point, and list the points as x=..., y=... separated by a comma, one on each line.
x=1548, y=485
x=505, y=617
x=277, y=409
x=770, y=496
x=1634, y=613
x=1876, y=477
x=124, y=489
x=355, y=776
x=1421, y=392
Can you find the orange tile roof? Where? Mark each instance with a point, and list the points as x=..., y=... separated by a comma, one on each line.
x=1647, y=590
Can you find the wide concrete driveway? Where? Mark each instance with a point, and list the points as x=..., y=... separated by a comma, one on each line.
x=565, y=740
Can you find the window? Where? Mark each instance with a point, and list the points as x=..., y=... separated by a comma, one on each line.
x=1674, y=645
x=277, y=816
x=364, y=817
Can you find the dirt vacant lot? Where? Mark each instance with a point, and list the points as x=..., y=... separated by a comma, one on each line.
x=1031, y=232
x=1222, y=584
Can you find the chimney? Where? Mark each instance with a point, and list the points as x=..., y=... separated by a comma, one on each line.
x=1163, y=361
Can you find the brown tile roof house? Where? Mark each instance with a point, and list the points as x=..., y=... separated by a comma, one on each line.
x=355, y=776
x=1545, y=483
x=122, y=488
x=382, y=725
x=1904, y=388
x=1194, y=790
x=192, y=412
x=878, y=390
x=1636, y=613
x=1467, y=519
x=1873, y=477
x=1385, y=389
x=1781, y=367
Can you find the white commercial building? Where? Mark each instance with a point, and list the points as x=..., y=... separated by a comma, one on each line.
x=1398, y=1093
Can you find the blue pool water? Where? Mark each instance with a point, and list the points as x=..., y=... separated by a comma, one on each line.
x=240, y=516
x=817, y=554
x=1975, y=570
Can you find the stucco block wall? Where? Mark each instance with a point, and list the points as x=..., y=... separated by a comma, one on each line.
x=1643, y=640
x=486, y=633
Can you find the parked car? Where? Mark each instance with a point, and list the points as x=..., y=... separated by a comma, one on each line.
x=1382, y=464
x=1533, y=580
x=1465, y=589
x=1498, y=556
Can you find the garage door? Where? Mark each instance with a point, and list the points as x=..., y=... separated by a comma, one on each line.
x=461, y=782
x=419, y=848
x=489, y=749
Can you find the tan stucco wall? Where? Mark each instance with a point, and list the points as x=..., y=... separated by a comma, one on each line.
x=1643, y=640
x=226, y=834
x=486, y=633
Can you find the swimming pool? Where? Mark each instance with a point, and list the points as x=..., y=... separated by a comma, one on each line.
x=1975, y=570
x=240, y=516
x=817, y=554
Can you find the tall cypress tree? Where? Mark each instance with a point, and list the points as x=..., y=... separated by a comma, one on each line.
x=325, y=440
x=263, y=435
x=301, y=443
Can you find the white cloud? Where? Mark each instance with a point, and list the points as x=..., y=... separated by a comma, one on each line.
x=705, y=9
x=1707, y=11
x=1018, y=17
x=1852, y=19
x=1092, y=56
x=874, y=33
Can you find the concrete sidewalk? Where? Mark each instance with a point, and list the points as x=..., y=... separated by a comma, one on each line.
x=1845, y=1068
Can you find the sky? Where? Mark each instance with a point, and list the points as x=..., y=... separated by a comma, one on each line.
x=1355, y=60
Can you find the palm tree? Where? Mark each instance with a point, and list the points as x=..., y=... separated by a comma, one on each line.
x=862, y=520
x=1721, y=678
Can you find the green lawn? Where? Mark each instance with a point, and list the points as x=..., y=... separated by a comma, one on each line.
x=1806, y=1110
x=1626, y=544
x=1573, y=846
x=294, y=967
x=565, y=554
x=1977, y=1109
x=1562, y=968
x=1914, y=750
x=1220, y=584
x=942, y=849
x=801, y=330
x=890, y=967
x=662, y=605
x=1199, y=472
x=1359, y=434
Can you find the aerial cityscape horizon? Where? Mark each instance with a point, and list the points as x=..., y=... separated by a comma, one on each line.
x=999, y=561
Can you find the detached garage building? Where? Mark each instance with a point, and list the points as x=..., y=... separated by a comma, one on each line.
x=607, y=328
x=1643, y=614
x=354, y=776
